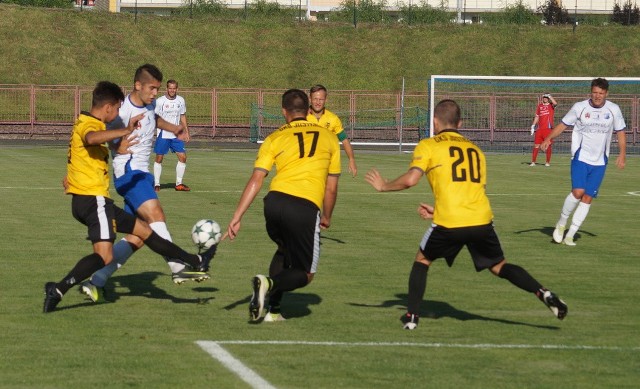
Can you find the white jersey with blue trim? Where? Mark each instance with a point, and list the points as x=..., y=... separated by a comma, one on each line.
x=141, y=151
x=592, y=130
x=170, y=110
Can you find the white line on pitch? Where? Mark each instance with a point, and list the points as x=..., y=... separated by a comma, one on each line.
x=427, y=345
x=240, y=369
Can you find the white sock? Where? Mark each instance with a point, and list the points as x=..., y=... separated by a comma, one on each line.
x=161, y=229
x=180, y=168
x=570, y=204
x=578, y=218
x=122, y=251
x=157, y=172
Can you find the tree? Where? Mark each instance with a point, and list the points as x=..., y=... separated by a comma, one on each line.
x=554, y=13
x=627, y=15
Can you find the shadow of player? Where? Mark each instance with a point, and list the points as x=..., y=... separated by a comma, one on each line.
x=142, y=285
x=294, y=305
x=549, y=232
x=438, y=309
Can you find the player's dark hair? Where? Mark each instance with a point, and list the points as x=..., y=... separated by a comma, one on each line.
x=601, y=83
x=146, y=71
x=316, y=88
x=448, y=112
x=106, y=92
x=172, y=81
x=296, y=102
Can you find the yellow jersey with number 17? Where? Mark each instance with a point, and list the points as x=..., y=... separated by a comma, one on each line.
x=87, y=166
x=457, y=172
x=304, y=155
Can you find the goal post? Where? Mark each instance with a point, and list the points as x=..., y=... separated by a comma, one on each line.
x=497, y=111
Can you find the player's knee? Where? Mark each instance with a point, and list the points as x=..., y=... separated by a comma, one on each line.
x=578, y=193
x=310, y=277
x=105, y=255
x=422, y=259
x=151, y=211
x=141, y=231
x=497, y=268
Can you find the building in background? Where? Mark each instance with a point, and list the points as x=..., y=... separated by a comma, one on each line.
x=317, y=9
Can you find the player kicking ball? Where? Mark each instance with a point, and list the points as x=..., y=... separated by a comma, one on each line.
x=87, y=180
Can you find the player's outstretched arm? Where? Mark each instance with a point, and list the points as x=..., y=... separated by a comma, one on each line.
x=405, y=181
x=250, y=192
x=557, y=130
x=165, y=125
x=99, y=137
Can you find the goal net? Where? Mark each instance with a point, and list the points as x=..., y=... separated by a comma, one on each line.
x=497, y=112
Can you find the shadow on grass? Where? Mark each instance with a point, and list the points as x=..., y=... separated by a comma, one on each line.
x=293, y=304
x=549, y=232
x=438, y=309
x=171, y=186
x=142, y=285
x=324, y=237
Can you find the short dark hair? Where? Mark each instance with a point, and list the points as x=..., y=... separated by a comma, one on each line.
x=316, y=88
x=146, y=71
x=448, y=112
x=296, y=102
x=172, y=81
x=106, y=92
x=601, y=83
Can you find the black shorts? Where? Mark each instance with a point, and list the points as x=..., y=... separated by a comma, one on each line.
x=293, y=224
x=481, y=241
x=102, y=217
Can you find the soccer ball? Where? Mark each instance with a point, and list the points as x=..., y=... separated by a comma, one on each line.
x=205, y=233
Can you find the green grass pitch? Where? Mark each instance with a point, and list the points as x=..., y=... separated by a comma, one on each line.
x=343, y=329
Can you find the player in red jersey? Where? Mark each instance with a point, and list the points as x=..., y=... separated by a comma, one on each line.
x=544, y=121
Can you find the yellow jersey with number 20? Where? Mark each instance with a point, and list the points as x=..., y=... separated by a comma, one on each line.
x=457, y=172
x=304, y=155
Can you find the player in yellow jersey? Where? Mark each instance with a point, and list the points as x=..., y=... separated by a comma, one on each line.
x=87, y=180
x=299, y=203
x=457, y=172
x=321, y=116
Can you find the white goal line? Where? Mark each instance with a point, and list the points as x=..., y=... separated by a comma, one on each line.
x=422, y=345
x=253, y=379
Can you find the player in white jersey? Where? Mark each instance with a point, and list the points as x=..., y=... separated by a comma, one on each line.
x=594, y=121
x=172, y=108
x=134, y=182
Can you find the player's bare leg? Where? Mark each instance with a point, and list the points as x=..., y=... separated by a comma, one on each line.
x=181, y=167
x=157, y=171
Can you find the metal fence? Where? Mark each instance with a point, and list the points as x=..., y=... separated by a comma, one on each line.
x=497, y=121
x=48, y=111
